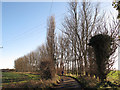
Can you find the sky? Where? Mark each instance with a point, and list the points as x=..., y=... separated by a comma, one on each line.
x=24, y=26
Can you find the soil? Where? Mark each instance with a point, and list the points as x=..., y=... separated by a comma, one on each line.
x=67, y=82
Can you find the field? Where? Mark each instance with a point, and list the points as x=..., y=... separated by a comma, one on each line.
x=18, y=77
x=25, y=80
x=28, y=79
x=12, y=77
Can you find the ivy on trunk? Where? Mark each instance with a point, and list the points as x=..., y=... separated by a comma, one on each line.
x=101, y=44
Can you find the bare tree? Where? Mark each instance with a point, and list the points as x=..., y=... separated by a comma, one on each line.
x=50, y=45
x=50, y=37
x=79, y=26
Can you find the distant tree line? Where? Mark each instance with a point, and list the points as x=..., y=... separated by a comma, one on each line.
x=28, y=63
x=69, y=51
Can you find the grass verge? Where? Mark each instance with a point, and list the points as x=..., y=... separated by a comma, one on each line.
x=26, y=80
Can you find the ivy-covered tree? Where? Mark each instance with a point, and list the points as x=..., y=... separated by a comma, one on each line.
x=101, y=44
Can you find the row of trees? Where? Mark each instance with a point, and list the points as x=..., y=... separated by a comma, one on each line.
x=43, y=59
x=83, y=21
x=32, y=61
x=70, y=50
x=28, y=62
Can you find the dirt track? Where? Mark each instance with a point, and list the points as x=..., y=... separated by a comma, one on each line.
x=68, y=82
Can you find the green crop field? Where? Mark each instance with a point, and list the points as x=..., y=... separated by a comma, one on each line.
x=25, y=80
x=14, y=77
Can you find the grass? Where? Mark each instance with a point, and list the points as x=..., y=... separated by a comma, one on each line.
x=88, y=82
x=8, y=77
x=26, y=80
x=114, y=77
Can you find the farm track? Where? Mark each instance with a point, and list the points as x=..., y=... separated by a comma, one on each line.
x=67, y=82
